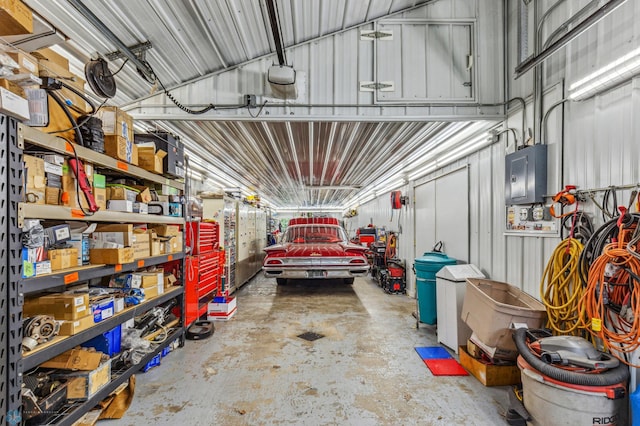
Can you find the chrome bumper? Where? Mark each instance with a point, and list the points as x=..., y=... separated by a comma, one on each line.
x=316, y=273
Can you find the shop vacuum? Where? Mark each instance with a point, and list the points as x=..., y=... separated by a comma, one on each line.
x=566, y=381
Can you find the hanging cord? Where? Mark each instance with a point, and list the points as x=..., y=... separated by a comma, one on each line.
x=609, y=204
x=610, y=300
x=579, y=226
x=560, y=287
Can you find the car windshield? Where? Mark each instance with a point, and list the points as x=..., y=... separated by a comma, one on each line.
x=314, y=234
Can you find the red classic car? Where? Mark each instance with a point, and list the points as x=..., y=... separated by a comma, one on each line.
x=315, y=248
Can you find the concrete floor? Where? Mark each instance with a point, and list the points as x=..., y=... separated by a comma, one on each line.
x=255, y=371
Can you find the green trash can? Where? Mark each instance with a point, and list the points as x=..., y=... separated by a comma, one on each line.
x=426, y=268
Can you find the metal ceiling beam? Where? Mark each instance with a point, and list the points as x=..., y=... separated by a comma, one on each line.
x=144, y=68
x=275, y=32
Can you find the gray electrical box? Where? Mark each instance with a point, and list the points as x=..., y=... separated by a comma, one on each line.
x=526, y=175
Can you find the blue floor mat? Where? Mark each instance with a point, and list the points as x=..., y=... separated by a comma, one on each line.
x=433, y=352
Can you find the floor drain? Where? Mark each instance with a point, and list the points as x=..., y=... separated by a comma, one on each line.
x=311, y=336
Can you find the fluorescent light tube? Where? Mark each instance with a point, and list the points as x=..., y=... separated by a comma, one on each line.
x=618, y=71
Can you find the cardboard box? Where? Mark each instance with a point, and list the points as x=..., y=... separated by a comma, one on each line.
x=50, y=55
x=12, y=87
x=150, y=292
x=75, y=359
x=69, y=328
x=475, y=345
x=156, y=244
x=119, y=147
x=121, y=234
x=150, y=159
x=62, y=306
x=121, y=193
x=69, y=196
x=103, y=309
x=28, y=63
x=52, y=65
x=120, y=206
x=169, y=280
x=80, y=239
x=15, y=18
x=63, y=258
x=54, y=169
x=140, y=208
x=13, y=105
x=118, y=304
x=221, y=309
x=99, y=181
x=116, y=122
x=141, y=245
x=111, y=256
x=100, y=195
x=82, y=385
x=487, y=374
x=144, y=194
x=174, y=245
x=166, y=230
x=42, y=268
x=35, y=182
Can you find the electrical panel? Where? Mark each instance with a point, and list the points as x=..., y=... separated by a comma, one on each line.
x=526, y=175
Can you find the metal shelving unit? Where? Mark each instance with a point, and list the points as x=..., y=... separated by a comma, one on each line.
x=61, y=146
x=74, y=411
x=39, y=211
x=14, y=137
x=10, y=247
x=69, y=276
x=62, y=344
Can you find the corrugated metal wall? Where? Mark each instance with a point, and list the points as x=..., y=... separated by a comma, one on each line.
x=600, y=148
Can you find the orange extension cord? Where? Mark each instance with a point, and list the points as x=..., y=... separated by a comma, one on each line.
x=618, y=333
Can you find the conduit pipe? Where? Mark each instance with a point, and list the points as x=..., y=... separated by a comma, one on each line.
x=561, y=42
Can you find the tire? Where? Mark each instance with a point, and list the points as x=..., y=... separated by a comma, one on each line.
x=281, y=281
x=349, y=280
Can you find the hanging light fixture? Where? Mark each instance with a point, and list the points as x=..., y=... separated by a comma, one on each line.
x=612, y=74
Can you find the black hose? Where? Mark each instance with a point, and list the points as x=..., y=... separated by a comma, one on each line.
x=620, y=374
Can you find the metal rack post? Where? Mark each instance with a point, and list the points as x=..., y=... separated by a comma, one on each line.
x=10, y=254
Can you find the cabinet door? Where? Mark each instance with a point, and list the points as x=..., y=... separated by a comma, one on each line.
x=425, y=61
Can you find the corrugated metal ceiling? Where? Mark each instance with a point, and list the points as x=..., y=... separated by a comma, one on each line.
x=289, y=164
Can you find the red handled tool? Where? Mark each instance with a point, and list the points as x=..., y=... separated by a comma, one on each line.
x=83, y=181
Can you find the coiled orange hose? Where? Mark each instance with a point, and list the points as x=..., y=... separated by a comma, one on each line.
x=609, y=284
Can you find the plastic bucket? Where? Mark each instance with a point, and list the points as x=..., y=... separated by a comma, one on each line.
x=426, y=268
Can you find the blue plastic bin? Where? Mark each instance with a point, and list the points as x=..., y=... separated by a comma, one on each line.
x=108, y=343
x=155, y=361
x=426, y=268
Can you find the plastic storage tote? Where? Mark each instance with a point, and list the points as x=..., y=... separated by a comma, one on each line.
x=490, y=307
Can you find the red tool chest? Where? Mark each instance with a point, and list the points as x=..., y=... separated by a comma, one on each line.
x=202, y=237
x=202, y=284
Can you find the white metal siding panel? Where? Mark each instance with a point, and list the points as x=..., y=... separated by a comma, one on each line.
x=414, y=39
x=440, y=79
